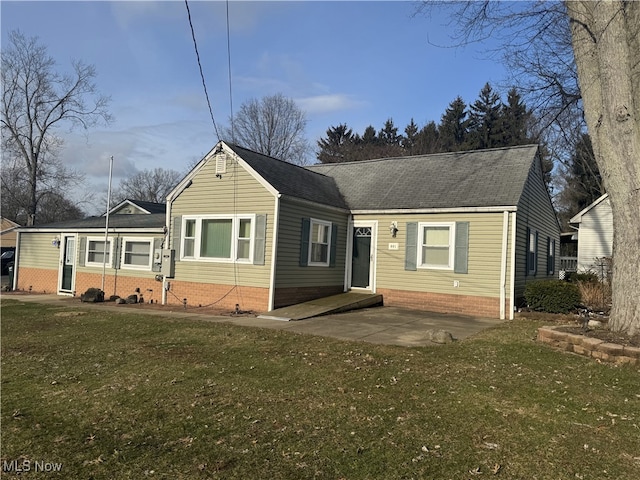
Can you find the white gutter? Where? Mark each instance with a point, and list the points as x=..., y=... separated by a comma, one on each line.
x=503, y=262
x=396, y=211
x=274, y=252
x=512, y=274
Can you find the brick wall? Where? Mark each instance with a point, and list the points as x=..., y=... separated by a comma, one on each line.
x=253, y=299
x=39, y=280
x=443, y=303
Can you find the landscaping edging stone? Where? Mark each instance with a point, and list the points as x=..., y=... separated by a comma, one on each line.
x=588, y=346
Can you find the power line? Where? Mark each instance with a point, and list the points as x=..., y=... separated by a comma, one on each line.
x=204, y=85
x=233, y=135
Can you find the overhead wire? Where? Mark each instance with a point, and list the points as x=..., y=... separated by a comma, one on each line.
x=204, y=84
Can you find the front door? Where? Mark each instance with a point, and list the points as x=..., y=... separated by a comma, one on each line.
x=361, y=257
x=68, y=262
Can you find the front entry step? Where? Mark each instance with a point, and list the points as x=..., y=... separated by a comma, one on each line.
x=342, y=302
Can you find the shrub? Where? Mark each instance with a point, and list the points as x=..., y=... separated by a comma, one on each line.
x=595, y=295
x=585, y=277
x=552, y=296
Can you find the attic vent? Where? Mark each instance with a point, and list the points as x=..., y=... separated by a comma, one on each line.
x=221, y=163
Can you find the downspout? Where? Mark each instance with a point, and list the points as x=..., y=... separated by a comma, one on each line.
x=274, y=253
x=512, y=287
x=503, y=262
x=167, y=244
x=16, y=256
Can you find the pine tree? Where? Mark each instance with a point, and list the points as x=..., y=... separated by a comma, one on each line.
x=485, y=125
x=337, y=146
x=453, y=126
x=410, y=138
x=515, y=118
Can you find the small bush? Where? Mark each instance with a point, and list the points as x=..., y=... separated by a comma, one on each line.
x=585, y=277
x=595, y=295
x=552, y=296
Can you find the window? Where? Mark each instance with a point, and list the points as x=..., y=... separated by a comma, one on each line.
x=436, y=245
x=96, y=252
x=137, y=253
x=551, y=256
x=532, y=252
x=320, y=235
x=218, y=238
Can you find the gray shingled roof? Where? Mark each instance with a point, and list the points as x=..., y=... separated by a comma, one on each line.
x=293, y=180
x=131, y=222
x=479, y=178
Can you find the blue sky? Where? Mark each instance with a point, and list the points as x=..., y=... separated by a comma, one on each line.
x=358, y=63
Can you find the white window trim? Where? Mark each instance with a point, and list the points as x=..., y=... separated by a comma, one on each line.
x=452, y=244
x=312, y=222
x=235, y=224
x=99, y=264
x=123, y=257
x=533, y=249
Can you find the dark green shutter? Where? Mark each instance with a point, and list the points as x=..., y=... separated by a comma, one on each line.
x=117, y=253
x=411, y=247
x=461, y=260
x=535, y=257
x=333, y=246
x=304, y=242
x=260, y=241
x=175, y=241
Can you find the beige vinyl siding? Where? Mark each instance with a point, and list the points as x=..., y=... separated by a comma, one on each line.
x=237, y=192
x=535, y=212
x=36, y=250
x=81, y=249
x=289, y=273
x=595, y=236
x=484, y=259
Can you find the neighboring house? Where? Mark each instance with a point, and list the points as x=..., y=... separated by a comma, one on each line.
x=595, y=234
x=7, y=234
x=69, y=257
x=458, y=232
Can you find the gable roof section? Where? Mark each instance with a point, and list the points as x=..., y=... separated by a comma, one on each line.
x=577, y=218
x=143, y=206
x=473, y=179
x=152, y=221
x=292, y=180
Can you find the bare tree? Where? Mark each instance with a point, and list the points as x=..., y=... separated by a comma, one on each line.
x=36, y=100
x=272, y=126
x=147, y=185
x=605, y=43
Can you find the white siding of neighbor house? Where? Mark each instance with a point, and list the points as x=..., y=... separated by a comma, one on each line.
x=595, y=236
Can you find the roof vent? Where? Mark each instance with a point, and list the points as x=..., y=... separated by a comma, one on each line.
x=221, y=163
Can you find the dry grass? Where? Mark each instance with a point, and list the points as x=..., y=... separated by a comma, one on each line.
x=596, y=295
x=123, y=395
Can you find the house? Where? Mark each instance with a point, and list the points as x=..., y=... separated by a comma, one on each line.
x=70, y=257
x=458, y=232
x=7, y=234
x=594, y=226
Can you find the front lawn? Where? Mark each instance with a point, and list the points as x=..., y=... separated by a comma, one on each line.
x=88, y=393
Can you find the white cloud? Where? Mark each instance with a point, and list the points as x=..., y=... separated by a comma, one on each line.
x=329, y=103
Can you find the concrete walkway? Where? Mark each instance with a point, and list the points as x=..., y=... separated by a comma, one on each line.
x=380, y=325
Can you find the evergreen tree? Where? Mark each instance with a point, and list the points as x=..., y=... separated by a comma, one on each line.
x=485, y=125
x=453, y=126
x=410, y=138
x=337, y=146
x=428, y=140
x=515, y=118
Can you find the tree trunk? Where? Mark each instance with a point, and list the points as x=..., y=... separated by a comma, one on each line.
x=606, y=47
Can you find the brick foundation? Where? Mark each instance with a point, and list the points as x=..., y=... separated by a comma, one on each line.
x=37, y=280
x=443, y=303
x=292, y=295
x=588, y=346
x=224, y=296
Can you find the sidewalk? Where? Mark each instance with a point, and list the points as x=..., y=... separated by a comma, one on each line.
x=380, y=325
